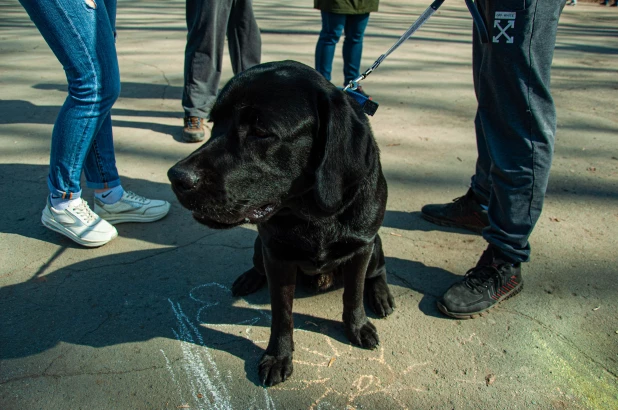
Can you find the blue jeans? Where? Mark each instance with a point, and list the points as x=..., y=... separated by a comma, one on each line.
x=81, y=35
x=332, y=26
x=516, y=117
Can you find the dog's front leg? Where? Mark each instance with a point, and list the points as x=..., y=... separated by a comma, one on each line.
x=358, y=328
x=276, y=364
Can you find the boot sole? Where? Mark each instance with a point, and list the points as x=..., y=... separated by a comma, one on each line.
x=450, y=224
x=480, y=313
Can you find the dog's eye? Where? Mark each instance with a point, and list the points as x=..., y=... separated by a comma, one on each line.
x=261, y=133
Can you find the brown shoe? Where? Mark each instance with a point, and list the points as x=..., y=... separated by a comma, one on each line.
x=194, y=129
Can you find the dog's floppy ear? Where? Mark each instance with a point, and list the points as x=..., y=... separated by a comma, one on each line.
x=349, y=150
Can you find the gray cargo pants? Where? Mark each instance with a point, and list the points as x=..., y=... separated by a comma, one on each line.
x=208, y=22
x=516, y=118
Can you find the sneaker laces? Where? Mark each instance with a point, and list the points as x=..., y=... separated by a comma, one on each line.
x=193, y=122
x=459, y=201
x=132, y=196
x=83, y=211
x=477, y=278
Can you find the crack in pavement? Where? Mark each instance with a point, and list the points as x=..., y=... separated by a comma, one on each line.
x=95, y=329
x=538, y=322
x=162, y=252
x=101, y=373
x=168, y=84
x=564, y=339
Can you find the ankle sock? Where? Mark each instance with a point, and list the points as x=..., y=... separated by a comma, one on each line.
x=60, y=204
x=110, y=196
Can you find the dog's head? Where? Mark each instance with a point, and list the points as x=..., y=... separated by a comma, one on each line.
x=280, y=130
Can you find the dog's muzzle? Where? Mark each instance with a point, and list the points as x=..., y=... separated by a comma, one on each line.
x=205, y=207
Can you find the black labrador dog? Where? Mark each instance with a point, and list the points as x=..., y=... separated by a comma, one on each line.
x=295, y=155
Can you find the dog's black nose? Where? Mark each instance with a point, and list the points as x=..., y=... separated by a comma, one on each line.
x=183, y=179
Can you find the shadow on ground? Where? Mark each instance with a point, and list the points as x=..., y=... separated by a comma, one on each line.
x=156, y=293
x=24, y=112
x=28, y=185
x=162, y=294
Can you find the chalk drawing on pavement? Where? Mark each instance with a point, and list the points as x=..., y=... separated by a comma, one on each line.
x=319, y=362
x=208, y=387
x=330, y=364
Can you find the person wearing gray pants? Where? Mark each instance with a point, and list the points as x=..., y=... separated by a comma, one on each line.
x=208, y=23
x=515, y=127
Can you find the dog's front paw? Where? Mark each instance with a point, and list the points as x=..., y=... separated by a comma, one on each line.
x=275, y=369
x=249, y=282
x=379, y=296
x=365, y=335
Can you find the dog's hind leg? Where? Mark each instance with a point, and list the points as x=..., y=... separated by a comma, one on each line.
x=255, y=278
x=377, y=291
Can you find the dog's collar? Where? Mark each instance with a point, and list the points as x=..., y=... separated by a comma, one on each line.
x=367, y=104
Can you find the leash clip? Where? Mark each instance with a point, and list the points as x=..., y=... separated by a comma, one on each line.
x=415, y=26
x=370, y=106
x=367, y=104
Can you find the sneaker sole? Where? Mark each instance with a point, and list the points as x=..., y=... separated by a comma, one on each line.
x=480, y=313
x=188, y=137
x=56, y=227
x=442, y=222
x=120, y=219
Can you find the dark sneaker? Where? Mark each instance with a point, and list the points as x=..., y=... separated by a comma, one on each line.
x=464, y=212
x=489, y=283
x=194, y=130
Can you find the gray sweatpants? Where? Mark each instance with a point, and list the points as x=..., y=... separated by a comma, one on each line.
x=516, y=118
x=208, y=22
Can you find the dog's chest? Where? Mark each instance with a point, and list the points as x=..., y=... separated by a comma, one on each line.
x=321, y=259
x=315, y=253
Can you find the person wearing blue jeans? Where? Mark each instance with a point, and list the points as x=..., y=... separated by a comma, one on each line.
x=81, y=34
x=351, y=18
x=515, y=127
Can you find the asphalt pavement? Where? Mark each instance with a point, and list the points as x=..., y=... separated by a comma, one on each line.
x=148, y=321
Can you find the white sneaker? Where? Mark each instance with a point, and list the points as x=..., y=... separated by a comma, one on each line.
x=132, y=208
x=79, y=223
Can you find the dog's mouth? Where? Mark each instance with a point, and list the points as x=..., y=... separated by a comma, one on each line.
x=226, y=219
